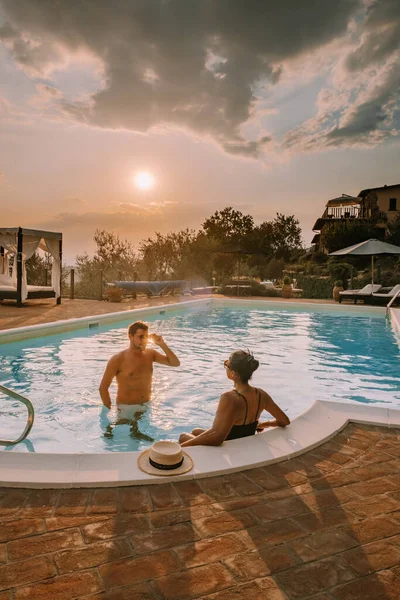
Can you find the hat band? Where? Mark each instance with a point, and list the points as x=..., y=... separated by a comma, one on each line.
x=157, y=465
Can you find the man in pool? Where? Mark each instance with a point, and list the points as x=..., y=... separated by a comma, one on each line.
x=133, y=370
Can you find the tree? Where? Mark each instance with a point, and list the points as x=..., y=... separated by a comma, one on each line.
x=336, y=236
x=38, y=267
x=279, y=238
x=113, y=259
x=228, y=226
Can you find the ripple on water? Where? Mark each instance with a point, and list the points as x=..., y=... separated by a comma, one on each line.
x=304, y=354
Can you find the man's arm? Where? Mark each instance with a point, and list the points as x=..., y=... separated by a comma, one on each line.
x=109, y=374
x=221, y=426
x=170, y=359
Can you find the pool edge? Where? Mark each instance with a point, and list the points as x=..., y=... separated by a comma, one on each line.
x=322, y=421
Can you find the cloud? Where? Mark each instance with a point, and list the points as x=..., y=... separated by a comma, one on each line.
x=196, y=65
x=362, y=106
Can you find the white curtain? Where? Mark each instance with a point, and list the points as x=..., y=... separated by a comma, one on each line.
x=29, y=246
x=9, y=242
x=30, y=243
x=53, y=246
x=4, y=265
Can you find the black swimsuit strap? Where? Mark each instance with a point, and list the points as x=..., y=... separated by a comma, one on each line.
x=258, y=406
x=245, y=401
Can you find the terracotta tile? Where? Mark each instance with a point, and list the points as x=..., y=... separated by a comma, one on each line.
x=11, y=501
x=224, y=523
x=121, y=524
x=218, y=488
x=383, y=585
x=265, y=480
x=61, y=588
x=372, y=557
x=166, y=537
x=44, y=544
x=323, y=543
x=162, y=518
x=136, y=570
x=26, y=571
x=243, y=485
x=134, y=499
x=193, y=583
x=280, y=509
x=103, y=501
x=72, y=502
x=40, y=503
x=260, y=563
x=311, y=578
x=375, y=528
x=164, y=496
x=373, y=506
x=92, y=555
x=20, y=528
x=210, y=550
x=191, y=493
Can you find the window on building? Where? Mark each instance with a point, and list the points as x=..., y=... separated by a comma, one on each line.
x=393, y=204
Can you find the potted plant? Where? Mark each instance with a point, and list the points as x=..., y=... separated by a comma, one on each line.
x=337, y=288
x=114, y=293
x=286, y=287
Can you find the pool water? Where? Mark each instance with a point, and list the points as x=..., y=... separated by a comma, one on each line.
x=305, y=352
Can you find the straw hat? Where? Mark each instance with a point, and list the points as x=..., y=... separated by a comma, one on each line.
x=165, y=458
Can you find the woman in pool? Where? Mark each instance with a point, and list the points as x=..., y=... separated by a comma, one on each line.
x=239, y=409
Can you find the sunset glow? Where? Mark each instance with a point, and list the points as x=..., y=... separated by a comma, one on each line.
x=144, y=180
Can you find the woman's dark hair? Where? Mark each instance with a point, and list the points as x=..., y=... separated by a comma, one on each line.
x=243, y=363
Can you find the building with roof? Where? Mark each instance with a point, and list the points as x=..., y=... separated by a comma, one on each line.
x=380, y=206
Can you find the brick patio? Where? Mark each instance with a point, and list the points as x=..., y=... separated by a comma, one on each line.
x=325, y=525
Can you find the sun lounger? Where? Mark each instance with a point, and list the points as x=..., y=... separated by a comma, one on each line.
x=364, y=294
x=381, y=298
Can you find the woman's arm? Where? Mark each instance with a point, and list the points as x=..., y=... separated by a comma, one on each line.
x=223, y=421
x=281, y=418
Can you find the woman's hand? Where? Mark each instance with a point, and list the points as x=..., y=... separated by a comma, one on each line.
x=265, y=425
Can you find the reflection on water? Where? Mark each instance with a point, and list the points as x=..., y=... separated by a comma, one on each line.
x=305, y=354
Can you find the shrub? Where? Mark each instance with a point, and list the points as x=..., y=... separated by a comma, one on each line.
x=315, y=287
x=114, y=293
x=287, y=280
x=271, y=292
x=338, y=283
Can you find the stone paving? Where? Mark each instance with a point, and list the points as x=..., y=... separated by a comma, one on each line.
x=325, y=525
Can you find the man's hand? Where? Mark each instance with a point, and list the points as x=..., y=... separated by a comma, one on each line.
x=157, y=339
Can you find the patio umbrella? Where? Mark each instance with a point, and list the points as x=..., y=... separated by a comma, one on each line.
x=370, y=248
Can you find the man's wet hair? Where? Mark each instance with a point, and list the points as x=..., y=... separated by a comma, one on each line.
x=137, y=325
x=243, y=363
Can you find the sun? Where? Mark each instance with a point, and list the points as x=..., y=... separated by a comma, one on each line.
x=144, y=180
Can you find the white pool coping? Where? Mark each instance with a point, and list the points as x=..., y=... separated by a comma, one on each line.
x=318, y=424
x=322, y=421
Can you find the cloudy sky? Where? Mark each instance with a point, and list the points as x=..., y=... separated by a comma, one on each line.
x=263, y=105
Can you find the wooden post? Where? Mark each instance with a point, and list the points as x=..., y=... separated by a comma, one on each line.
x=19, y=266
x=72, y=284
x=101, y=285
x=60, y=255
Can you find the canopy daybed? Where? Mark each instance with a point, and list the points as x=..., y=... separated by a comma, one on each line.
x=21, y=244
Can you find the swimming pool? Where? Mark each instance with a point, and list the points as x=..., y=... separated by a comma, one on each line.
x=306, y=352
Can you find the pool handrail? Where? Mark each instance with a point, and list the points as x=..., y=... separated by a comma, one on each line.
x=393, y=299
x=31, y=416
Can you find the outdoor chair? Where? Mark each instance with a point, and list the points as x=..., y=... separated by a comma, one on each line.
x=381, y=298
x=364, y=294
